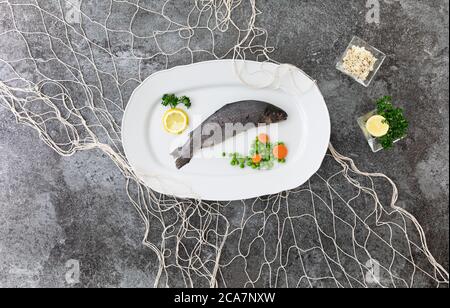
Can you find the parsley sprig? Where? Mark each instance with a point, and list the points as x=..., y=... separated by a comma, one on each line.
x=173, y=101
x=398, y=125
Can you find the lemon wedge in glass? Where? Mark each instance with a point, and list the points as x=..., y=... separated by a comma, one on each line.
x=175, y=121
x=377, y=126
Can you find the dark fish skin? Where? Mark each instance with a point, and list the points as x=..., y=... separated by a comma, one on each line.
x=242, y=112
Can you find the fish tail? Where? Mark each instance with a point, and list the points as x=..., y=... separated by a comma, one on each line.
x=180, y=159
x=181, y=162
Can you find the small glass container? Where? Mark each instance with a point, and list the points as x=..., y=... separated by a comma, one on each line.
x=372, y=141
x=379, y=55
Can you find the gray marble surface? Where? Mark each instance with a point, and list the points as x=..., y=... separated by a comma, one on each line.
x=54, y=209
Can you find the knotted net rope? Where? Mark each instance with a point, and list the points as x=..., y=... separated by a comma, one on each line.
x=67, y=71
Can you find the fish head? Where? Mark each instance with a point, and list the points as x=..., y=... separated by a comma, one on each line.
x=274, y=114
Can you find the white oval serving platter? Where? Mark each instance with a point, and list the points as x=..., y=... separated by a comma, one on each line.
x=211, y=85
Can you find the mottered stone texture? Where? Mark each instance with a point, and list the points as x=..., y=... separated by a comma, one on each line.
x=55, y=209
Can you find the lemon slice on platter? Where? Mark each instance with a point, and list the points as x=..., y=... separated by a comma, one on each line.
x=175, y=121
x=377, y=126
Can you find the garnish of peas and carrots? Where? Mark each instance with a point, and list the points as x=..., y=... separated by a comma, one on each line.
x=263, y=154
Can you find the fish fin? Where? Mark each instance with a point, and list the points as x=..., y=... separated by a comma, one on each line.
x=181, y=162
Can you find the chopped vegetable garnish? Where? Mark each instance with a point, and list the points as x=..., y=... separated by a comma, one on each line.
x=263, y=138
x=257, y=158
x=280, y=152
x=263, y=154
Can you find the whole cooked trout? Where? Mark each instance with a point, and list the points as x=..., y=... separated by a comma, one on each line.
x=227, y=122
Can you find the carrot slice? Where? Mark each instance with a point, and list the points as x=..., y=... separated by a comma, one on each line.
x=263, y=138
x=257, y=158
x=280, y=151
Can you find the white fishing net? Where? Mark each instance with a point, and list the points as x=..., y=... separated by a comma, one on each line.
x=68, y=69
